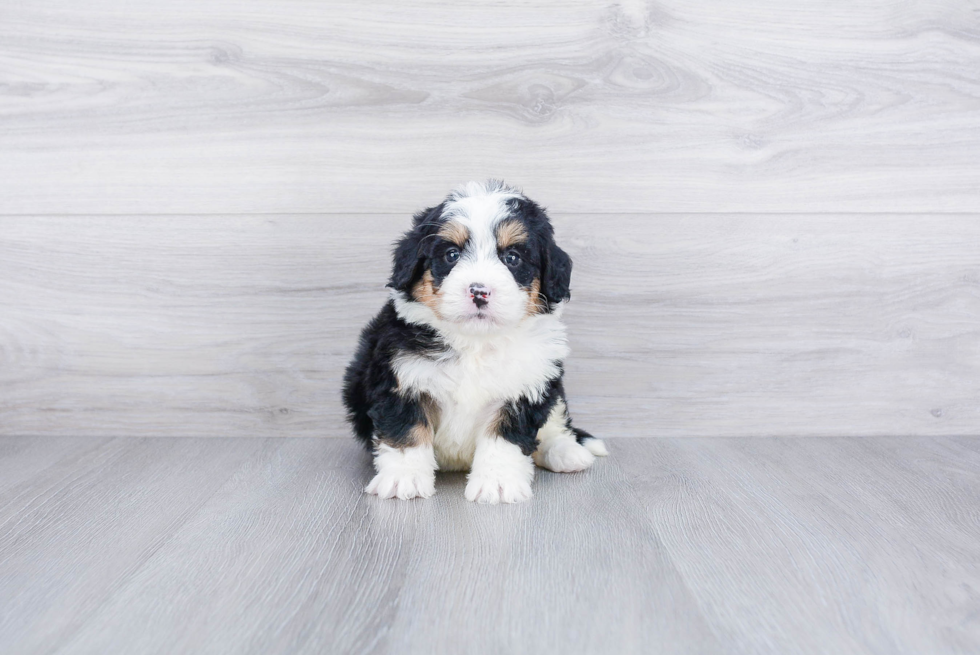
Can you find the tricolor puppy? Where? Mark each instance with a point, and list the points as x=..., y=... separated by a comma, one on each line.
x=462, y=368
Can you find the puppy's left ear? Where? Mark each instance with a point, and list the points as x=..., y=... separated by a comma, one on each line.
x=556, y=273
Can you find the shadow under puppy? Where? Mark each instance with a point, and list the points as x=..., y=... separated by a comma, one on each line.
x=462, y=368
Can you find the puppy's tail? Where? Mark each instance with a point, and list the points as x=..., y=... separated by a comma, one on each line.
x=593, y=445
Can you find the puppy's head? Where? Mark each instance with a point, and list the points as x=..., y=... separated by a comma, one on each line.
x=483, y=260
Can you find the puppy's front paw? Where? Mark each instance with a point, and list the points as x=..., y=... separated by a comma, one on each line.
x=402, y=484
x=490, y=490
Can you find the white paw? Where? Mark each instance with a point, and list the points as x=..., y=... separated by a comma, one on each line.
x=596, y=447
x=491, y=489
x=403, y=472
x=402, y=484
x=565, y=456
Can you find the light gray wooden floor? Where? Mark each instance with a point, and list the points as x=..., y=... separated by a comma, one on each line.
x=746, y=545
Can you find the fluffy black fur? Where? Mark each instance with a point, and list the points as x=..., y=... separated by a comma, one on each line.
x=417, y=247
x=522, y=418
x=542, y=252
x=373, y=407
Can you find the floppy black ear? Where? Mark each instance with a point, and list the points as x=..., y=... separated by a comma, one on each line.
x=409, y=255
x=556, y=273
x=407, y=261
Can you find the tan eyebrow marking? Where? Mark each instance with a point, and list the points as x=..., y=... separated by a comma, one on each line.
x=510, y=233
x=455, y=232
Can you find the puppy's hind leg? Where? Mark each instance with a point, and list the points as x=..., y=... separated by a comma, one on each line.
x=559, y=446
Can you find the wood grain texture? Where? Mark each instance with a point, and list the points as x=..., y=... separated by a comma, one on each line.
x=862, y=545
x=293, y=106
x=680, y=325
x=73, y=532
x=838, y=545
x=290, y=556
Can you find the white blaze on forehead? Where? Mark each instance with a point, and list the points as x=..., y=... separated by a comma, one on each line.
x=480, y=208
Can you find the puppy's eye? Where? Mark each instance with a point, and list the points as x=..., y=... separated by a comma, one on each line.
x=512, y=258
x=452, y=255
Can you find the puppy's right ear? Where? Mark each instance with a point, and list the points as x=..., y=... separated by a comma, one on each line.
x=410, y=251
x=407, y=264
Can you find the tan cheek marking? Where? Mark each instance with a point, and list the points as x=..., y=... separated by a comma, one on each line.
x=535, y=301
x=426, y=293
x=510, y=233
x=455, y=232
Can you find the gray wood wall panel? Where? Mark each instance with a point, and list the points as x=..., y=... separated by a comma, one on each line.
x=292, y=106
x=681, y=325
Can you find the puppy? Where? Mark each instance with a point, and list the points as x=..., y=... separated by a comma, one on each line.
x=462, y=368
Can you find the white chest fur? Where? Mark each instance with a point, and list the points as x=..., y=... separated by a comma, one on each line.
x=472, y=380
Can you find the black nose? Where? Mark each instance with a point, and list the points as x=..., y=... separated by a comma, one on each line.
x=479, y=294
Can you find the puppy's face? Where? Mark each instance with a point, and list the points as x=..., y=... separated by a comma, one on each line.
x=483, y=260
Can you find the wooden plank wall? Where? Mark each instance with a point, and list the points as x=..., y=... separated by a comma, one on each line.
x=773, y=207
